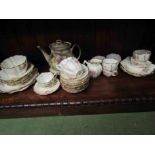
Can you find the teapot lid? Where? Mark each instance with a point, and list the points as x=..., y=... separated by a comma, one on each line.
x=60, y=45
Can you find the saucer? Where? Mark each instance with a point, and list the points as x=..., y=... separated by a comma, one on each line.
x=21, y=80
x=5, y=77
x=4, y=88
x=46, y=91
x=75, y=85
x=136, y=71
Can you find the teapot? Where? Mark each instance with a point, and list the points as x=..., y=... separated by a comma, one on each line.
x=60, y=50
x=95, y=69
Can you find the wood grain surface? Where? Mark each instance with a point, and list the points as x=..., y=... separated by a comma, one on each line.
x=104, y=95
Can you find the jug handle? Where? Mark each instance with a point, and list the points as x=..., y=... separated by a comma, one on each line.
x=76, y=45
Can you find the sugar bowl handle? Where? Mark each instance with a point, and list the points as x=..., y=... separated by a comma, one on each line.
x=76, y=45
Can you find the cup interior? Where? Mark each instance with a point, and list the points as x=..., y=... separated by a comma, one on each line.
x=13, y=61
x=70, y=65
x=45, y=77
x=110, y=61
x=114, y=56
x=142, y=52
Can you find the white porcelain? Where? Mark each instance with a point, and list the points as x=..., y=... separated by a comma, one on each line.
x=17, y=88
x=46, y=90
x=75, y=85
x=70, y=66
x=84, y=74
x=15, y=66
x=142, y=55
x=140, y=63
x=4, y=76
x=109, y=73
x=114, y=56
x=110, y=64
x=131, y=69
x=60, y=50
x=46, y=79
x=95, y=69
x=97, y=59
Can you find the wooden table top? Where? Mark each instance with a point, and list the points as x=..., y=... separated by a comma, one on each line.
x=122, y=93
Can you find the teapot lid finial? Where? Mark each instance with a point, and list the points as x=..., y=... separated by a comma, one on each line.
x=60, y=45
x=59, y=41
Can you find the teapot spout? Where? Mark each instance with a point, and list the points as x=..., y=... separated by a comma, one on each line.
x=47, y=56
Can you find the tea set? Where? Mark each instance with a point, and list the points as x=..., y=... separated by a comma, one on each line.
x=17, y=73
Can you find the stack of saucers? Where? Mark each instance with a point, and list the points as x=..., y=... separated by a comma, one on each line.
x=75, y=85
x=17, y=74
x=74, y=76
x=138, y=65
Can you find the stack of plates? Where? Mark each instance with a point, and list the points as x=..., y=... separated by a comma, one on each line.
x=75, y=85
x=136, y=70
x=15, y=84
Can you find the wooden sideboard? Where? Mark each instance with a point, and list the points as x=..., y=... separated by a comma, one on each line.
x=123, y=93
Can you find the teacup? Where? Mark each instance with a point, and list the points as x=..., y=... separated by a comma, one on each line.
x=141, y=55
x=46, y=79
x=15, y=66
x=70, y=66
x=110, y=64
x=140, y=63
x=114, y=56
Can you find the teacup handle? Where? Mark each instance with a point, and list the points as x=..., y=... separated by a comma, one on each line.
x=76, y=45
x=115, y=73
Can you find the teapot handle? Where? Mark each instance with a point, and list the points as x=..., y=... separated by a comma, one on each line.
x=76, y=45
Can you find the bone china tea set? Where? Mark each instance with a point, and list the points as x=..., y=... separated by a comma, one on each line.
x=17, y=73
